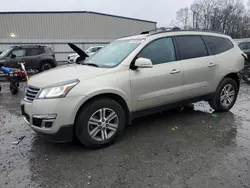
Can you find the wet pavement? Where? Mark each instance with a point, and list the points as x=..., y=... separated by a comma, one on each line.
x=177, y=149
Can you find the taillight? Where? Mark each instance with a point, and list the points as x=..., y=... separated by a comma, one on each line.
x=20, y=74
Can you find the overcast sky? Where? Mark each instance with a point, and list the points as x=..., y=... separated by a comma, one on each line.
x=161, y=11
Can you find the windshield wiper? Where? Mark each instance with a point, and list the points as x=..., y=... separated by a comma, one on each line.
x=91, y=64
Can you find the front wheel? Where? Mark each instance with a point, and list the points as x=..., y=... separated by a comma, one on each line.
x=225, y=96
x=99, y=123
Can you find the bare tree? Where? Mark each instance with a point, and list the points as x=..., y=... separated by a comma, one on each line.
x=183, y=16
x=227, y=16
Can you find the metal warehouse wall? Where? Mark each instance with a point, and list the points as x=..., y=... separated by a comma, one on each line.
x=56, y=29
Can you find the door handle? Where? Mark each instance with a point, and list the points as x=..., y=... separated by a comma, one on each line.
x=175, y=71
x=211, y=65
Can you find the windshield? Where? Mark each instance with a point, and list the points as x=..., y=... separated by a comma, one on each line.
x=114, y=53
x=5, y=52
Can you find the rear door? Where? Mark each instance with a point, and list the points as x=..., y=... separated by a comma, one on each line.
x=33, y=55
x=199, y=69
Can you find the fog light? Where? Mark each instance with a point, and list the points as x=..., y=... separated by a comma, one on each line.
x=44, y=121
x=47, y=123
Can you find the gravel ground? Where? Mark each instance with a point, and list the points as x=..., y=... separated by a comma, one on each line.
x=177, y=149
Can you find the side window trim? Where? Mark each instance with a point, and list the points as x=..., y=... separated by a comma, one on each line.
x=209, y=50
x=136, y=57
x=177, y=51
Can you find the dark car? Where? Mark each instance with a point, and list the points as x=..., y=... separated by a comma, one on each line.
x=245, y=47
x=35, y=57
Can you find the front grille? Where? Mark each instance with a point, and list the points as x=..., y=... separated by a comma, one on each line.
x=31, y=93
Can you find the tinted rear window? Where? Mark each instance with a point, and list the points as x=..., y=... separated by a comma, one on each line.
x=244, y=45
x=218, y=44
x=34, y=51
x=191, y=47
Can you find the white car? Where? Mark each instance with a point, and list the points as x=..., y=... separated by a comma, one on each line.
x=73, y=58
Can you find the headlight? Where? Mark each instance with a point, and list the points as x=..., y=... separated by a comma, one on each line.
x=57, y=90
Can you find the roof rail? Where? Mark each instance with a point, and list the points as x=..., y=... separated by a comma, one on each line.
x=176, y=29
x=147, y=32
x=161, y=29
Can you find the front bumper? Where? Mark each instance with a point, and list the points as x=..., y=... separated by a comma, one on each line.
x=52, y=119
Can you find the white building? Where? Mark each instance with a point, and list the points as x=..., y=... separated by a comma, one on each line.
x=56, y=29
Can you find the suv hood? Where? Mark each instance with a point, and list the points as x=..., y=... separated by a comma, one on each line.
x=64, y=73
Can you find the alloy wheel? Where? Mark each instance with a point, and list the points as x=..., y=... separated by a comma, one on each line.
x=227, y=95
x=103, y=124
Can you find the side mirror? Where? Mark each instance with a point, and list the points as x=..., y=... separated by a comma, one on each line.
x=13, y=56
x=143, y=63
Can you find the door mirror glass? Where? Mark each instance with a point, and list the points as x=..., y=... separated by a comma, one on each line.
x=13, y=56
x=143, y=63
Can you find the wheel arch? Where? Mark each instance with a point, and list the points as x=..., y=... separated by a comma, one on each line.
x=235, y=77
x=45, y=61
x=109, y=95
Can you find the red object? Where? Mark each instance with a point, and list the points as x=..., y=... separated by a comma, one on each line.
x=21, y=73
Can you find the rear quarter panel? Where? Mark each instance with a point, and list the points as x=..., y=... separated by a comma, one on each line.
x=228, y=62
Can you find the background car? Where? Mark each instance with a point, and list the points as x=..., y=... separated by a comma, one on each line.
x=73, y=58
x=245, y=47
x=35, y=57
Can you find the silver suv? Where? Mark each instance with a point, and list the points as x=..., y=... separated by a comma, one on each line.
x=133, y=77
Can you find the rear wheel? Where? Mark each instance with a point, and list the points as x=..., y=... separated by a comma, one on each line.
x=45, y=66
x=99, y=123
x=225, y=96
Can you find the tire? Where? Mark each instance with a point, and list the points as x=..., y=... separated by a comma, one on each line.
x=223, y=105
x=45, y=66
x=14, y=88
x=84, y=127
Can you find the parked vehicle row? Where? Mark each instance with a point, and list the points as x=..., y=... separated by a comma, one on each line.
x=133, y=77
x=36, y=57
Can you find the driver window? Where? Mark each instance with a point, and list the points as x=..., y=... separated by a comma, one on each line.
x=18, y=53
x=242, y=46
x=159, y=51
x=248, y=46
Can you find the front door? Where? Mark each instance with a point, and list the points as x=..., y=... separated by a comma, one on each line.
x=162, y=84
x=15, y=57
